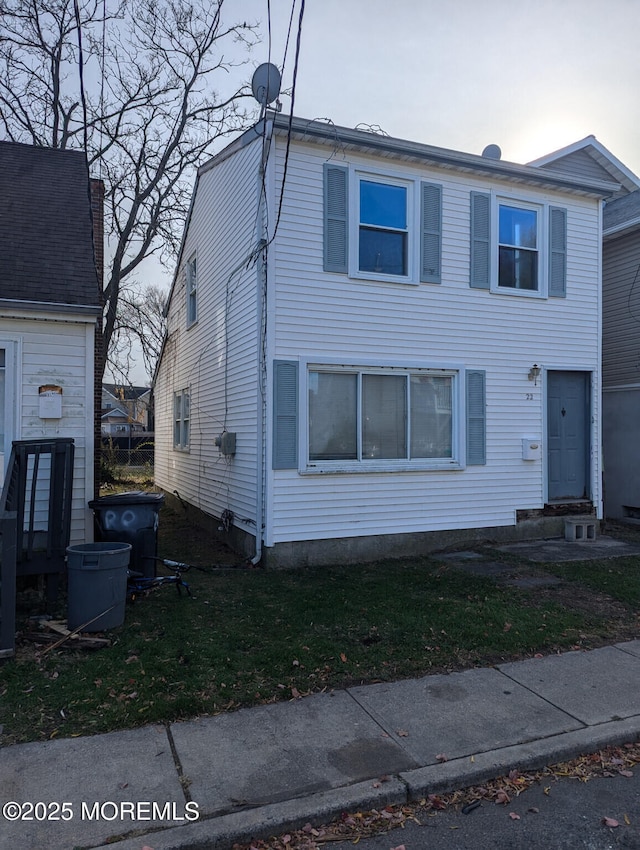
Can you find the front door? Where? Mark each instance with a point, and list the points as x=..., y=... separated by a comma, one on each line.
x=568, y=429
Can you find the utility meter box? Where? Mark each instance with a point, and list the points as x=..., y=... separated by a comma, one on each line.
x=531, y=449
x=226, y=442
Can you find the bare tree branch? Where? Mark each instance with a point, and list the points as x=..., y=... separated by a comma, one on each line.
x=154, y=113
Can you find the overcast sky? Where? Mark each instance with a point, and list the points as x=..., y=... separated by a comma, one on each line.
x=529, y=75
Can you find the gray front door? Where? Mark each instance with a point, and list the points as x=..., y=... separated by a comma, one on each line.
x=568, y=428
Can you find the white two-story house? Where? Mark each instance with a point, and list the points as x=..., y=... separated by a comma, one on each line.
x=377, y=347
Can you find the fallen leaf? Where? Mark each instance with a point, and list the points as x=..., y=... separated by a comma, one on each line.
x=295, y=693
x=610, y=822
x=627, y=820
x=534, y=810
x=399, y=847
x=295, y=662
x=441, y=757
x=402, y=733
x=507, y=627
x=343, y=658
x=625, y=773
x=514, y=816
x=502, y=798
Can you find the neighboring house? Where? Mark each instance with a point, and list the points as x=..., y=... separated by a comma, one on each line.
x=397, y=352
x=620, y=322
x=117, y=422
x=621, y=357
x=49, y=309
x=132, y=402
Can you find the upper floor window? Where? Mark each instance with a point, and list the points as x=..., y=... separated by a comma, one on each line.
x=383, y=234
x=381, y=227
x=192, y=292
x=518, y=248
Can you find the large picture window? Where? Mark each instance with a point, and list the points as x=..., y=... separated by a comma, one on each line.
x=364, y=416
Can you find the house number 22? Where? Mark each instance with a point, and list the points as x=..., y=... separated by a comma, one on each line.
x=529, y=396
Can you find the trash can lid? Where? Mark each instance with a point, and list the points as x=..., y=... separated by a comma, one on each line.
x=134, y=497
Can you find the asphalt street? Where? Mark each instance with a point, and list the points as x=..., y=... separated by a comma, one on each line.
x=569, y=815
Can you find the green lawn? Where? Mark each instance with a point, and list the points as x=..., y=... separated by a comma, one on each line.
x=249, y=636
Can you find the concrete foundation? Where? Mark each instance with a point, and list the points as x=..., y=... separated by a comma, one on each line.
x=531, y=525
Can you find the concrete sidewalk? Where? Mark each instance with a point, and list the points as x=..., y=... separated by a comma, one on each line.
x=259, y=771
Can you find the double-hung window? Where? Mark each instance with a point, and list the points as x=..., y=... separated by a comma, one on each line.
x=383, y=232
x=181, y=414
x=380, y=227
x=518, y=245
x=192, y=292
x=370, y=416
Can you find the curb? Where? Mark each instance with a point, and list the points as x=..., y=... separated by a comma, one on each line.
x=219, y=833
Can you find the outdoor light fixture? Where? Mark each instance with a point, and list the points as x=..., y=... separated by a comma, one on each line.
x=534, y=373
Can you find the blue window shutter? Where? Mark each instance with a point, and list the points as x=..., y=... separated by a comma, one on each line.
x=476, y=418
x=480, y=240
x=285, y=414
x=557, y=252
x=336, y=224
x=430, y=233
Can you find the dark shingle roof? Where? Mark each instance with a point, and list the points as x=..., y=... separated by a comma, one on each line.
x=46, y=243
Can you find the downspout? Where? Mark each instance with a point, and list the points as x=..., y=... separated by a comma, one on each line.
x=261, y=307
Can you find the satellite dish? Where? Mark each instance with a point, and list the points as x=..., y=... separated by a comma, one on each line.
x=492, y=152
x=265, y=83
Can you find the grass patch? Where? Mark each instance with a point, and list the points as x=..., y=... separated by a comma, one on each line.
x=618, y=578
x=249, y=636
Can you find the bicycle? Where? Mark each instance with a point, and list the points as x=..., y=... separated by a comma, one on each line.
x=137, y=583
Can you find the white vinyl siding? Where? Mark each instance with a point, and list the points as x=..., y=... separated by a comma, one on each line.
x=53, y=351
x=318, y=315
x=217, y=357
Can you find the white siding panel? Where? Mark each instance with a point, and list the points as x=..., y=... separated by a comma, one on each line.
x=318, y=315
x=61, y=353
x=216, y=357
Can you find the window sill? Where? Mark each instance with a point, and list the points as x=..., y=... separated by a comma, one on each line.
x=383, y=278
x=367, y=468
x=518, y=293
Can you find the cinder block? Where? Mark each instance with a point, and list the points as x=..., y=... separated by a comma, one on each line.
x=579, y=529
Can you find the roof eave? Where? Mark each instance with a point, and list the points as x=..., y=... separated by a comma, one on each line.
x=344, y=138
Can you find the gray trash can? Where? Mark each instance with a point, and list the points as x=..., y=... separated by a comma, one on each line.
x=97, y=585
x=133, y=518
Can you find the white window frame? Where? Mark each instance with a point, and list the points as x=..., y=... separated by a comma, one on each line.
x=181, y=414
x=542, y=249
x=191, y=290
x=454, y=370
x=412, y=187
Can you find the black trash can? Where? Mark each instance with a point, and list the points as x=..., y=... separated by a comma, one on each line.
x=131, y=518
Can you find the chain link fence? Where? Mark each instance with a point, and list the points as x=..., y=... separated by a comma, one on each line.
x=135, y=451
